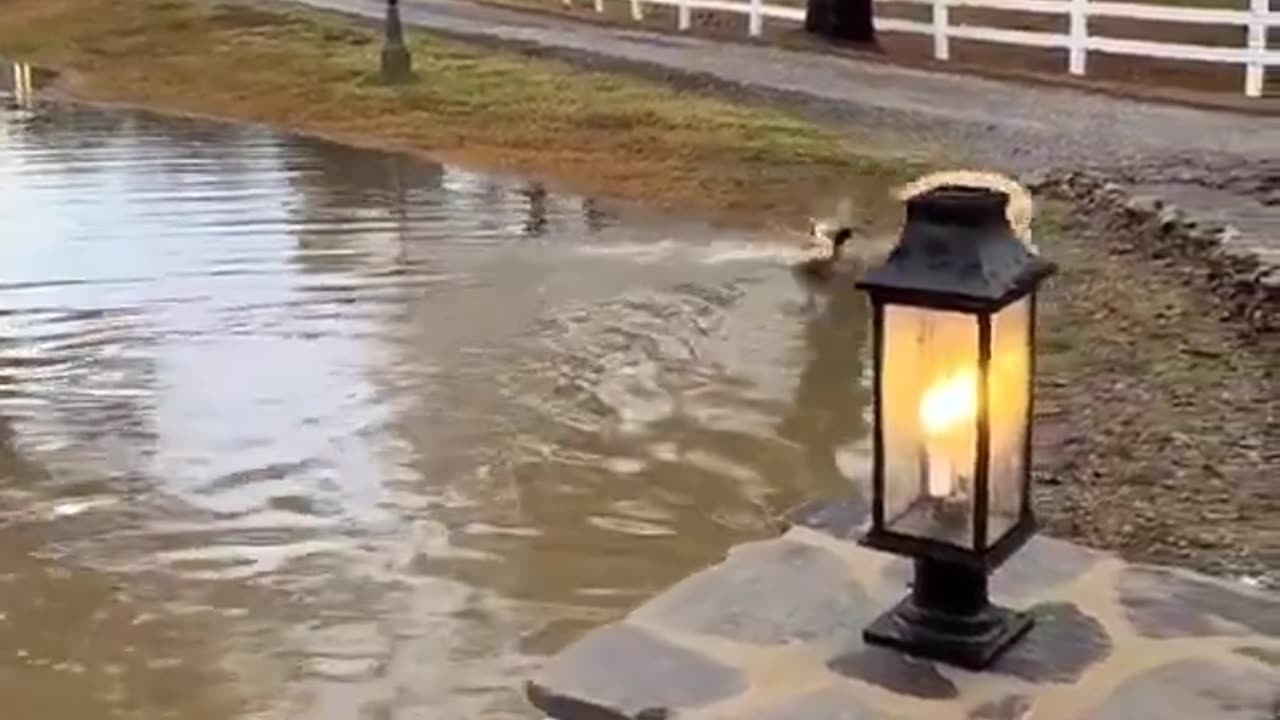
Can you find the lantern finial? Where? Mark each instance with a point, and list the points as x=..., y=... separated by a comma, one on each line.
x=1020, y=210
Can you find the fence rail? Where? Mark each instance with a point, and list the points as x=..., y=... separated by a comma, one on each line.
x=1255, y=57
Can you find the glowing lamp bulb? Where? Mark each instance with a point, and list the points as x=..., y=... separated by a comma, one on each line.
x=947, y=407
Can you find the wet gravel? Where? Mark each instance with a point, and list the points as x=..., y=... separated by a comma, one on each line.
x=1160, y=422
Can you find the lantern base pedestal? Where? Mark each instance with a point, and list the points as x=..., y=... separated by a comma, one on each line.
x=397, y=64
x=971, y=641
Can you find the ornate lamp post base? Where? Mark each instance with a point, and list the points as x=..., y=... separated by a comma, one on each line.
x=397, y=65
x=948, y=617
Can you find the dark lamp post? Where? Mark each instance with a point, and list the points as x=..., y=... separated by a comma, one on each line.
x=397, y=65
x=954, y=310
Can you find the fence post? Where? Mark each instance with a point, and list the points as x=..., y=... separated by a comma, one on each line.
x=637, y=12
x=755, y=25
x=941, y=19
x=683, y=16
x=1078, y=37
x=1254, y=72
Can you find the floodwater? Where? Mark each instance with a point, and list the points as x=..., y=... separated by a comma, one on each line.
x=295, y=430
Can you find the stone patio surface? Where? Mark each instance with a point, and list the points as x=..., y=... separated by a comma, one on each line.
x=774, y=633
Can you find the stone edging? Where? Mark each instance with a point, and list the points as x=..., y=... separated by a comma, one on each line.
x=773, y=632
x=1216, y=253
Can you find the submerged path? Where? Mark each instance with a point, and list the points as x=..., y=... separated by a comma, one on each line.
x=1210, y=160
x=1219, y=167
x=1011, y=124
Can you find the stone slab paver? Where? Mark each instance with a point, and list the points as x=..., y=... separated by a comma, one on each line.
x=1113, y=641
x=737, y=599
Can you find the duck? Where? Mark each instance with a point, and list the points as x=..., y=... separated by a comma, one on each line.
x=827, y=237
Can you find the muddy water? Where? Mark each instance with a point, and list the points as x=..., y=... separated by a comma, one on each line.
x=294, y=430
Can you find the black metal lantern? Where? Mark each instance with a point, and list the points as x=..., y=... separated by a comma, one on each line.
x=954, y=333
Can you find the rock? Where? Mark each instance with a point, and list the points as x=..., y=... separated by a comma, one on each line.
x=1170, y=216
x=1112, y=191
x=1143, y=205
x=1239, y=261
x=622, y=672
x=1039, y=180
x=1229, y=235
x=1201, y=239
x=1242, y=176
x=1214, y=180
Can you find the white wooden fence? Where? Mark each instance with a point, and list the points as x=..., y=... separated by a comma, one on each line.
x=1255, y=57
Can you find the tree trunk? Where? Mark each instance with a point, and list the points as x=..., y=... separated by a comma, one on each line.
x=850, y=21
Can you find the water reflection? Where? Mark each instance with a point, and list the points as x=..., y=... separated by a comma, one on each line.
x=21, y=85
x=393, y=429
x=827, y=416
x=82, y=643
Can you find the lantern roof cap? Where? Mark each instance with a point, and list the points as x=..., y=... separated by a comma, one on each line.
x=957, y=250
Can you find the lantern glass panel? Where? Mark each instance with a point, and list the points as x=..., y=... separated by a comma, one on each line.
x=929, y=410
x=1008, y=398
